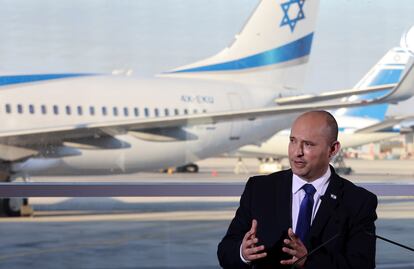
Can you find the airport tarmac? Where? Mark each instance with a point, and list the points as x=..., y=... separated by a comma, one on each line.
x=171, y=232
x=222, y=170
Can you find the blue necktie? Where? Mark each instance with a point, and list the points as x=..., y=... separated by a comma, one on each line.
x=305, y=213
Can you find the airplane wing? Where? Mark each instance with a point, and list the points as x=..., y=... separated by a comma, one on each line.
x=27, y=141
x=388, y=123
x=277, y=146
x=329, y=95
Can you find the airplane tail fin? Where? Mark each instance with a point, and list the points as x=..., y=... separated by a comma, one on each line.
x=276, y=39
x=388, y=70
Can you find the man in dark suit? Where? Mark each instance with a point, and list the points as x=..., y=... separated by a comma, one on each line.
x=285, y=215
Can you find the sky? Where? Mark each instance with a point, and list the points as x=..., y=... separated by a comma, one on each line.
x=152, y=36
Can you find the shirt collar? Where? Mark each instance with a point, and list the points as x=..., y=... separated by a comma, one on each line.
x=297, y=183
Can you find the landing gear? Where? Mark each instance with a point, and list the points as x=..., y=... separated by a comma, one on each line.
x=240, y=167
x=340, y=166
x=188, y=168
x=13, y=206
x=270, y=165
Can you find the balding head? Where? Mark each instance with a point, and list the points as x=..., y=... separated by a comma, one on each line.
x=313, y=142
x=324, y=120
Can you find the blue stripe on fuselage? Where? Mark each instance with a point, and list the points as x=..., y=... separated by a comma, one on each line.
x=384, y=76
x=388, y=130
x=17, y=79
x=288, y=52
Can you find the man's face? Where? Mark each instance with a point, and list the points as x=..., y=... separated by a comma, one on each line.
x=310, y=148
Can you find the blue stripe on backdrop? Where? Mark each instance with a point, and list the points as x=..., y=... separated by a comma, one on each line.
x=288, y=52
x=17, y=79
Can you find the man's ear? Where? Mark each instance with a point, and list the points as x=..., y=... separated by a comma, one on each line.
x=335, y=147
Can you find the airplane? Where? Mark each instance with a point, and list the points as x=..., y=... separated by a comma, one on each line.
x=94, y=124
x=357, y=126
x=404, y=110
x=354, y=131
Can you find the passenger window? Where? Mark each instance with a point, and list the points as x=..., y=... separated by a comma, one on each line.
x=115, y=111
x=91, y=110
x=167, y=113
x=156, y=112
x=43, y=109
x=56, y=110
x=68, y=110
x=80, y=112
x=8, y=108
x=136, y=112
x=176, y=112
x=126, y=112
x=104, y=111
x=185, y=111
x=31, y=109
x=19, y=108
x=146, y=111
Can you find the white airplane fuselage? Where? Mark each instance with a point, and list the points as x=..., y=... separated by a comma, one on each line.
x=47, y=105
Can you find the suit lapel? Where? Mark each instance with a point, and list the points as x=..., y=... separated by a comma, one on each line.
x=329, y=202
x=278, y=211
x=284, y=201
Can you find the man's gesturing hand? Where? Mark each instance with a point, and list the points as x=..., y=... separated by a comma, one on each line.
x=295, y=247
x=249, y=249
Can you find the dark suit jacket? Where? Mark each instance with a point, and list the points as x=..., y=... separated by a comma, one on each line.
x=345, y=209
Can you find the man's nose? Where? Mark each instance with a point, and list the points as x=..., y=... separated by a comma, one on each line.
x=299, y=149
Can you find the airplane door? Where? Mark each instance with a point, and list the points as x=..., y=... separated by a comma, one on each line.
x=235, y=126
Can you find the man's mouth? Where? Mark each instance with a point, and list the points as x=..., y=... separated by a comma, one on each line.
x=299, y=163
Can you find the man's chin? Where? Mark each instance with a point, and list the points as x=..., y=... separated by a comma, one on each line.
x=301, y=172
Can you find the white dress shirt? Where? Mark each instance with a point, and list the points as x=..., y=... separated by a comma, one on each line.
x=320, y=184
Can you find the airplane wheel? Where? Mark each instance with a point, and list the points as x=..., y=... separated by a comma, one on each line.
x=12, y=206
x=188, y=168
x=192, y=168
x=343, y=170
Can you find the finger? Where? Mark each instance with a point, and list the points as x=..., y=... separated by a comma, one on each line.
x=252, y=252
x=288, y=262
x=254, y=226
x=292, y=235
x=251, y=242
x=256, y=256
x=251, y=233
x=295, y=240
x=290, y=251
x=248, y=235
x=288, y=243
x=255, y=250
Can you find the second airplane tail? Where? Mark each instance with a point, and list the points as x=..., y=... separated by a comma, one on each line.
x=388, y=70
x=275, y=40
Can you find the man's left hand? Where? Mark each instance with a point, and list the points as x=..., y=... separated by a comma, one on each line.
x=294, y=247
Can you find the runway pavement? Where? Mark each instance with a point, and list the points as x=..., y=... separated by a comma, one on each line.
x=170, y=232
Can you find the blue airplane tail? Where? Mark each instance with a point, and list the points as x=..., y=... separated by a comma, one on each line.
x=276, y=39
x=388, y=70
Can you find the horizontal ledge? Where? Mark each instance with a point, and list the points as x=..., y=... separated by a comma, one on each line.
x=100, y=189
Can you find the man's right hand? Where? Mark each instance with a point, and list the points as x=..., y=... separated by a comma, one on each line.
x=250, y=251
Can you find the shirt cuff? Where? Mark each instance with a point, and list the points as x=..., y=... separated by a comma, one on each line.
x=241, y=256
